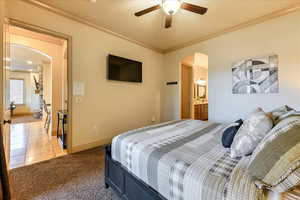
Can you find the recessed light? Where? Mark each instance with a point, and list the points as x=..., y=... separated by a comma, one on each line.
x=29, y=62
x=93, y=1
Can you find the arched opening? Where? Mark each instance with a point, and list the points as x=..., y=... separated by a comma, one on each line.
x=194, y=87
x=28, y=66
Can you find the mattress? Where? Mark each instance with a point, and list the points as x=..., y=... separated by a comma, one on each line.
x=185, y=160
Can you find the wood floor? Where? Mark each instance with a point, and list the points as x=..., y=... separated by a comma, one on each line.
x=30, y=144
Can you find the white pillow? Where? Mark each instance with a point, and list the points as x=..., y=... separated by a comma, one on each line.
x=254, y=129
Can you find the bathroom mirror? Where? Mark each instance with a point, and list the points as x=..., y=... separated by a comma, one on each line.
x=199, y=91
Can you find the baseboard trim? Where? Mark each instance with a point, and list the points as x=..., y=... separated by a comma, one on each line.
x=91, y=145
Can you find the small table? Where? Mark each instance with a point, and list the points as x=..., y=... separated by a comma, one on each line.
x=62, y=119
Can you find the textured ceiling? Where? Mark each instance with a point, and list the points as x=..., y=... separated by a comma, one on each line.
x=21, y=54
x=118, y=16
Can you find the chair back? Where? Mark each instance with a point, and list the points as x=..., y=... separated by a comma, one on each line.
x=46, y=107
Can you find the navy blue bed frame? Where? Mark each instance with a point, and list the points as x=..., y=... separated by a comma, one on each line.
x=126, y=185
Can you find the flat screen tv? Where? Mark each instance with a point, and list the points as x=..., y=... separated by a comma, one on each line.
x=122, y=69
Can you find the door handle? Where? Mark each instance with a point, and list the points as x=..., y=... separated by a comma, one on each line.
x=7, y=121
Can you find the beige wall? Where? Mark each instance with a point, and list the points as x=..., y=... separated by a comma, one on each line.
x=64, y=77
x=47, y=83
x=108, y=108
x=200, y=73
x=56, y=53
x=280, y=36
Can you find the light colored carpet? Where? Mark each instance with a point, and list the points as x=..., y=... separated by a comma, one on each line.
x=73, y=177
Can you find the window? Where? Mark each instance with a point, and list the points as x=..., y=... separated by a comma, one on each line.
x=17, y=91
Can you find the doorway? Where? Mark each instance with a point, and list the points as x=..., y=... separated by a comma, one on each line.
x=36, y=95
x=194, y=87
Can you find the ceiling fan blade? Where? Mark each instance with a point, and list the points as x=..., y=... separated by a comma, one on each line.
x=143, y=12
x=194, y=8
x=168, y=22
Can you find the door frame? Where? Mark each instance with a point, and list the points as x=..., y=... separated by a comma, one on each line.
x=68, y=38
x=180, y=91
x=5, y=192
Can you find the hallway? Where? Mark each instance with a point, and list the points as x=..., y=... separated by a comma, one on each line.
x=31, y=144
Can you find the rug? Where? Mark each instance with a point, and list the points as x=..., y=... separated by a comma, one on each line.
x=78, y=176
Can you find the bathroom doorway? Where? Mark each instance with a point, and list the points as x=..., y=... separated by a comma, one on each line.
x=194, y=87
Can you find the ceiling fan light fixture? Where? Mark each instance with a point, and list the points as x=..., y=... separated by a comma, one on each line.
x=171, y=7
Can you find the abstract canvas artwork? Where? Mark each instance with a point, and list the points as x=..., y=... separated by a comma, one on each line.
x=256, y=75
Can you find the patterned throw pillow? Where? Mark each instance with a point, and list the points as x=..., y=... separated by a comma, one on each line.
x=276, y=160
x=285, y=124
x=253, y=130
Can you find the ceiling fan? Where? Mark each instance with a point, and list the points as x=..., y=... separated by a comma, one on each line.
x=170, y=7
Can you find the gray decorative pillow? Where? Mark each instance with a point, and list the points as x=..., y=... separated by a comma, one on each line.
x=285, y=124
x=288, y=114
x=253, y=130
x=276, y=161
x=278, y=113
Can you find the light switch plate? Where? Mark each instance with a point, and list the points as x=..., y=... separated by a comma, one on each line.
x=78, y=88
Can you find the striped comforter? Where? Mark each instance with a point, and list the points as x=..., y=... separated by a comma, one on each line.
x=184, y=160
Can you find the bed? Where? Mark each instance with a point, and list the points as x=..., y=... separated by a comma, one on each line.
x=178, y=160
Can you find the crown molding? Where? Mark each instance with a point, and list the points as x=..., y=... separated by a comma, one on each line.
x=88, y=23
x=258, y=20
x=36, y=36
